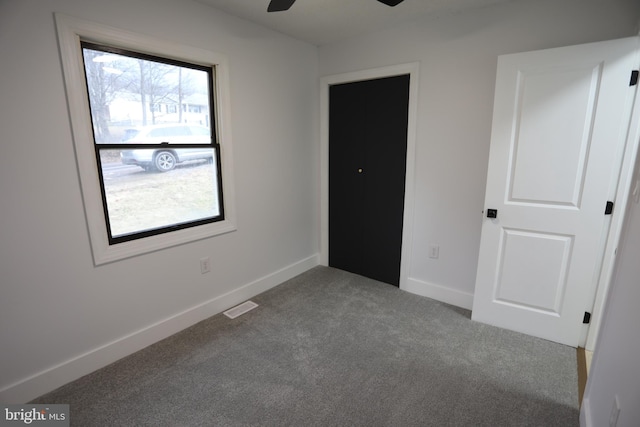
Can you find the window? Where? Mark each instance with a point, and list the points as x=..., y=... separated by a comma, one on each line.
x=151, y=177
x=138, y=204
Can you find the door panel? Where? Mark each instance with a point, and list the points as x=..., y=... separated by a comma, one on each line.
x=533, y=283
x=367, y=164
x=346, y=184
x=560, y=119
x=552, y=105
x=387, y=105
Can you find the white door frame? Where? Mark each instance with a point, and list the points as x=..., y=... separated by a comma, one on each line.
x=412, y=69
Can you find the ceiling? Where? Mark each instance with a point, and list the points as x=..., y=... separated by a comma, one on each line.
x=321, y=22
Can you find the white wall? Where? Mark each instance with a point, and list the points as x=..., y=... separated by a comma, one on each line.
x=458, y=55
x=61, y=317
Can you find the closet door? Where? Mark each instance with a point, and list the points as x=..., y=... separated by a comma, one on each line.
x=367, y=164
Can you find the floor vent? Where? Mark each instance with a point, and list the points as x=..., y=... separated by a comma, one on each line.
x=241, y=309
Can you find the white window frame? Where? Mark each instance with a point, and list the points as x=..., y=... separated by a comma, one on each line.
x=70, y=31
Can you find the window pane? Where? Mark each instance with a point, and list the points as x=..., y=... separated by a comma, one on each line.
x=167, y=134
x=139, y=201
x=126, y=91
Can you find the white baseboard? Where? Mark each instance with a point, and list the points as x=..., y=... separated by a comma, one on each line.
x=72, y=369
x=439, y=293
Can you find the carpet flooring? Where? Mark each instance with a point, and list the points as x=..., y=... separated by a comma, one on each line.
x=330, y=348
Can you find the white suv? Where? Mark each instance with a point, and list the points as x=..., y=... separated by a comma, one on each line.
x=165, y=159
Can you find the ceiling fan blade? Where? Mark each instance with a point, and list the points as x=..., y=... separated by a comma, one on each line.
x=280, y=5
x=391, y=2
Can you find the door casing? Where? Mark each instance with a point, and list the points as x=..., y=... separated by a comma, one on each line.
x=412, y=69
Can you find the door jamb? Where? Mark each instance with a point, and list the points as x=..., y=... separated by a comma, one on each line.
x=412, y=69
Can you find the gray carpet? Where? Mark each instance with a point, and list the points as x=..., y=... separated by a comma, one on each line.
x=329, y=348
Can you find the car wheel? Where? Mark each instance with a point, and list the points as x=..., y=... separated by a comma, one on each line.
x=164, y=161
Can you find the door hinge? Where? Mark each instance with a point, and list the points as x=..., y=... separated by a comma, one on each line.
x=609, y=209
x=634, y=78
x=587, y=317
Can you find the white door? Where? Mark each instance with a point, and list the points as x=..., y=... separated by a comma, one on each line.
x=559, y=126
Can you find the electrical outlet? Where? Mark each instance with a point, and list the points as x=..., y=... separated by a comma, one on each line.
x=434, y=251
x=615, y=412
x=205, y=265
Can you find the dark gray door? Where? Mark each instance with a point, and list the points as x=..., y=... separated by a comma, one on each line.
x=367, y=164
